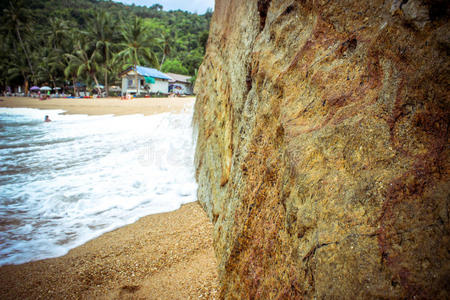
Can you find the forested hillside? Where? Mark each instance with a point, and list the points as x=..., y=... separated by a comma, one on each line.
x=59, y=41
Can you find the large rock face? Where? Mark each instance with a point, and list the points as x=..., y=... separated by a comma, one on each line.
x=322, y=154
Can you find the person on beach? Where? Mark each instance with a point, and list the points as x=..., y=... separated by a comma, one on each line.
x=47, y=119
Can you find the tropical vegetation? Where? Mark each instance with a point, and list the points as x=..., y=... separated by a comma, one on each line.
x=62, y=42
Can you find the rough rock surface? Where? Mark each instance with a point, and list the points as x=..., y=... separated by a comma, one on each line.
x=322, y=154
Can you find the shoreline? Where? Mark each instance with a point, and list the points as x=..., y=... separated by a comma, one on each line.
x=102, y=106
x=161, y=256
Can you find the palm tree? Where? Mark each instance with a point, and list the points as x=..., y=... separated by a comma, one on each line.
x=103, y=34
x=15, y=18
x=49, y=64
x=167, y=42
x=58, y=31
x=136, y=46
x=69, y=66
x=71, y=71
x=6, y=48
x=86, y=61
x=17, y=67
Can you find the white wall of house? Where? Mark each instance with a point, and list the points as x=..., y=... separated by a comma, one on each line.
x=124, y=85
x=129, y=85
x=160, y=85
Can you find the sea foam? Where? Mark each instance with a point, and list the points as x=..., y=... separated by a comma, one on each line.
x=65, y=182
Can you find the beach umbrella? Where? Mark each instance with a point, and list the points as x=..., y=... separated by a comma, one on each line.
x=99, y=86
x=46, y=88
x=57, y=88
x=34, y=88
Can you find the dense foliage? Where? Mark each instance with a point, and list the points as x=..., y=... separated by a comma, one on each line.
x=54, y=42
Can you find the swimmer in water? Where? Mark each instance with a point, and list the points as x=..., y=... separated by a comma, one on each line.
x=47, y=119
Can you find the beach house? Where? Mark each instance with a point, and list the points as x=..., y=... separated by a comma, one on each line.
x=180, y=84
x=148, y=81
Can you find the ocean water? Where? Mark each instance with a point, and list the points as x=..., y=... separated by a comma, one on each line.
x=65, y=182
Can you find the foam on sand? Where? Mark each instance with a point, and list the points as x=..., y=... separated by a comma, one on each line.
x=65, y=182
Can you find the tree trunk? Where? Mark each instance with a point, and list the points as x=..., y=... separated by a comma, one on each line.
x=107, y=61
x=162, y=61
x=25, y=81
x=96, y=84
x=106, y=83
x=53, y=81
x=75, y=90
x=25, y=51
x=26, y=87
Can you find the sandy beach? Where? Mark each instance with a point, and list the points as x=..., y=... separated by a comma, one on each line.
x=102, y=106
x=161, y=256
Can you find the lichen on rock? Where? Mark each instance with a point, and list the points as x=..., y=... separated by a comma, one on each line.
x=322, y=151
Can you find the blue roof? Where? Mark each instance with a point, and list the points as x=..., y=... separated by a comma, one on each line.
x=150, y=72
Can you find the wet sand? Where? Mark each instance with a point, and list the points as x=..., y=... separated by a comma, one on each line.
x=162, y=256
x=102, y=106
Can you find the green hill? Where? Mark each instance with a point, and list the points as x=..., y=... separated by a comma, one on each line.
x=58, y=41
